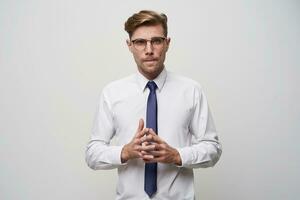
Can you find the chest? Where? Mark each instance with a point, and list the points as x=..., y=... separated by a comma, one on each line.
x=174, y=112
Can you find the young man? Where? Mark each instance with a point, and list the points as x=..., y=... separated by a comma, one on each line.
x=154, y=115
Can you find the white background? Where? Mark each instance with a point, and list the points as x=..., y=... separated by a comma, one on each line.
x=56, y=56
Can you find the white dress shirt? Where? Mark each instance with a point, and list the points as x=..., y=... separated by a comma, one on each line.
x=183, y=120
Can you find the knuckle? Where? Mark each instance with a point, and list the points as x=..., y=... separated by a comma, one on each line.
x=135, y=147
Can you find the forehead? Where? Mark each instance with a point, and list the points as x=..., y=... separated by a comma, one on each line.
x=148, y=31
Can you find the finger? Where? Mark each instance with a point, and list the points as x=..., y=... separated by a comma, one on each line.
x=141, y=125
x=146, y=140
x=147, y=148
x=147, y=157
x=156, y=160
x=148, y=161
x=145, y=153
x=153, y=160
x=155, y=137
x=162, y=159
x=141, y=133
x=140, y=154
x=144, y=143
x=139, y=128
x=155, y=153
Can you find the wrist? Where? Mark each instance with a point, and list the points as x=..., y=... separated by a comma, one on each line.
x=124, y=154
x=177, y=158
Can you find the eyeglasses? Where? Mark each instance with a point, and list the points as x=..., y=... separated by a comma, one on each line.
x=156, y=42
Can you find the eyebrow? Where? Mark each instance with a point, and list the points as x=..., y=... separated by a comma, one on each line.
x=148, y=39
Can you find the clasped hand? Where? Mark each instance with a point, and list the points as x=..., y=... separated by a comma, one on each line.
x=149, y=147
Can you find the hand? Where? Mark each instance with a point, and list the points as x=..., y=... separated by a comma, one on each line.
x=133, y=149
x=159, y=150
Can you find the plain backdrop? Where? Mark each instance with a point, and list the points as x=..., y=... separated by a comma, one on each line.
x=56, y=56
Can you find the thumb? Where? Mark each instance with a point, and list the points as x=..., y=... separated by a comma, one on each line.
x=141, y=125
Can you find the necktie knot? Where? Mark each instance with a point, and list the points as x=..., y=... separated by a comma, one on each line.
x=152, y=86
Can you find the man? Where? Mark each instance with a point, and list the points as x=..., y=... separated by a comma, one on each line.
x=156, y=161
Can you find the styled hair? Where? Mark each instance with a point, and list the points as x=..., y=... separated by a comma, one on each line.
x=146, y=18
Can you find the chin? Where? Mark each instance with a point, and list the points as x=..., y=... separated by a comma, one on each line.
x=151, y=70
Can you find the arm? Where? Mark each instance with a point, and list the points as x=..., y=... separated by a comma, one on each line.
x=99, y=153
x=206, y=150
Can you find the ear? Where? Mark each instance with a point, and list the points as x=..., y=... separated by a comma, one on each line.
x=168, y=43
x=129, y=44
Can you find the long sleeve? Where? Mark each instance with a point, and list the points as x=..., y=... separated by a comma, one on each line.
x=206, y=149
x=184, y=122
x=99, y=153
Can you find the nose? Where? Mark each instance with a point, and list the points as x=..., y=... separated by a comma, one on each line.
x=149, y=48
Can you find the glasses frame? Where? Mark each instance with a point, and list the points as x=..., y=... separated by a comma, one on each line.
x=147, y=40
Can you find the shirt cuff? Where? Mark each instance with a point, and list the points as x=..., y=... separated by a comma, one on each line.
x=115, y=155
x=185, y=155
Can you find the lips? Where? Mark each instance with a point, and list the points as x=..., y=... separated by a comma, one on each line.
x=150, y=60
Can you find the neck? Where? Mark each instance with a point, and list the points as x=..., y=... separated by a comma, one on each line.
x=151, y=76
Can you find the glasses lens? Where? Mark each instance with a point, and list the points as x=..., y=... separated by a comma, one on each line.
x=157, y=41
x=140, y=44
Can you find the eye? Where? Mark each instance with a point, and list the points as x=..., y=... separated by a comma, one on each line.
x=157, y=41
x=140, y=42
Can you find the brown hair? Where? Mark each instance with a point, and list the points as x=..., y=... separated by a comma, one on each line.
x=146, y=18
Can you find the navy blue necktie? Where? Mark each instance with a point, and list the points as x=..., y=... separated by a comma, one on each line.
x=150, y=186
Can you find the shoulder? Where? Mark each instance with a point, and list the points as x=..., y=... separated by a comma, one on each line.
x=184, y=82
x=119, y=86
x=185, y=88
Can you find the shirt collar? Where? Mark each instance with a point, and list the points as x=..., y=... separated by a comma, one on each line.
x=159, y=80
